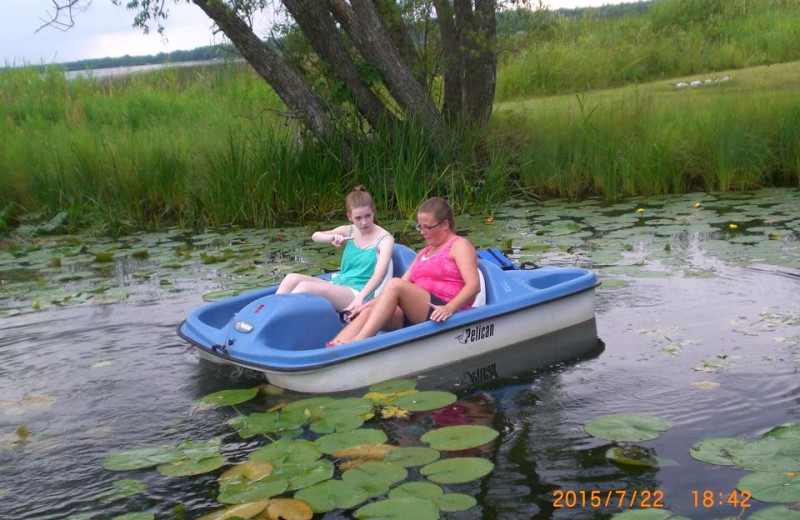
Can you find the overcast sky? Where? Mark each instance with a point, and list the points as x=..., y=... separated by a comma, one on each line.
x=106, y=30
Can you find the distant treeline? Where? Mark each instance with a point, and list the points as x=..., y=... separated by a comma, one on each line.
x=209, y=52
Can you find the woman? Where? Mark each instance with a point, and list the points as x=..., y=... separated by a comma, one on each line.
x=365, y=261
x=442, y=280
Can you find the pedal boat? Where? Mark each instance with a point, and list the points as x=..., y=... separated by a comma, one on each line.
x=523, y=319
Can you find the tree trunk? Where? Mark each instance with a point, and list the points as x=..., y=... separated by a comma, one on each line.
x=453, y=100
x=361, y=23
x=477, y=32
x=317, y=24
x=288, y=84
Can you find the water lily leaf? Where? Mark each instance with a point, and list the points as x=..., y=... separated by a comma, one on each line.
x=135, y=516
x=716, y=450
x=287, y=451
x=457, y=470
x=288, y=509
x=227, y=397
x=124, y=488
x=309, y=404
x=459, y=437
x=454, y=502
x=417, y=490
x=775, y=513
x=241, y=511
x=196, y=450
x=249, y=470
x=268, y=422
x=782, y=487
x=399, y=509
x=332, y=494
x=184, y=468
x=705, y=385
x=784, y=432
x=335, y=422
x=768, y=454
x=632, y=456
x=375, y=477
x=389, y=411
x=302, y=475
x=353, y=406
x=334, y=442
x=244, y=491
x=139, y=458
x=411, y=456
x=627, y=427
x=365, y=452
x=394, y=386
x=423, y=401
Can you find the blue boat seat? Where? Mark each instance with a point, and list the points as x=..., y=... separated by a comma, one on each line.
x=389, y=275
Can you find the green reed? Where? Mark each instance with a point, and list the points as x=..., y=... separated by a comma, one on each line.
x=673, y=38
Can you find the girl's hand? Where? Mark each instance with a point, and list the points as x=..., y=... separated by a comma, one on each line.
x=355, y=304
x=338, y=239
x=440, y=312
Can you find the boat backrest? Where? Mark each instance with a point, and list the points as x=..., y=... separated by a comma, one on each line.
x=386, y=278
x=402, y=257
x=480, y=298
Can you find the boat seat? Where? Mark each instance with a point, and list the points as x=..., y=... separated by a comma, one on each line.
x=386, y=278
x=480, y=298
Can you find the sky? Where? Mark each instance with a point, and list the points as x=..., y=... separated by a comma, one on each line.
x=105, y=30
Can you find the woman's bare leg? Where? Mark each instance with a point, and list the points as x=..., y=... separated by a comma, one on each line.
x=398, y=299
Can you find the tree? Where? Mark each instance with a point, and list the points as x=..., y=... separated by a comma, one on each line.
x=403, y=45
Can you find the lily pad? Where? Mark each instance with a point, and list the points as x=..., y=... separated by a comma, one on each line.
x=791, y=431
x=782, y=487
x=399, y=509
x=124, y=488
x=457, y=470
x=336, y=422
x=411, y=456
x=242, y=492
x=768, y=454
x=334, y=442
x=302, y=475
x=632, y=456
x=139, y=458
x=450, y=502
x=185, y=468
x=287, y=451
x=375, y=478
x=241, y=511
x=775, y=513
x=135, y=516
x=394, y=386
x=289, y=509
x=268, y=422
x=249, y=470
x=228, y=397
x=423, y=401
x=460, y=437
x=331, y=495
x=716, y=450
x=626, y=427
x=648, y=514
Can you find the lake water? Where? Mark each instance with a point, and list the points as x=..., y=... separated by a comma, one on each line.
x=112, y=72
x=698, y=311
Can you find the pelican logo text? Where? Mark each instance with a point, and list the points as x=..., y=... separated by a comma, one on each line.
x=476, y=333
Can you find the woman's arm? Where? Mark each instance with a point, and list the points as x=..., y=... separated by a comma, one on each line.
x=466, y=259
x=384, y=256
x=335, y=236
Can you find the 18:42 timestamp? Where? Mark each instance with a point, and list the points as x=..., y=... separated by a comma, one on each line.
x=708, y=498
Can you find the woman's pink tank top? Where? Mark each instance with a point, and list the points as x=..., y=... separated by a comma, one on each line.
x=439, y=274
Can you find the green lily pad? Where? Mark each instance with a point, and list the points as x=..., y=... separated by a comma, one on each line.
x=632, y=456
x=139, y=458
x=450, y=502
x=268, y=422
x=627, y=427
x=331, y=495
x=791, y=431
x=423, y=401
x=228, y=397
x=782, y=487
x=716, y=450
x=454, y=502
x=394, y=386
x=775, y=513
x=457, y=470
x=184, y=468
x=135, y=516
x=244, y=491
x=334, y=442
x=460, y=437
x=302, y=475
x=768, y=454
x=335, y=422
x=124, y=488
x=399, y=509
x=287, y=451
x=375, y=478
x=307, y=404
x=411, y=456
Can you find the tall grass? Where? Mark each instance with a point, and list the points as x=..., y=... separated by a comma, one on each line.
x=673, y=38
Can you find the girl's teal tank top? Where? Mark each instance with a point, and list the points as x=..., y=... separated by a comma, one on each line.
x=358, y=264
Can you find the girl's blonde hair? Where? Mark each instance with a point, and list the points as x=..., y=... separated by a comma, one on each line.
x=360, y=198
x=440, y=209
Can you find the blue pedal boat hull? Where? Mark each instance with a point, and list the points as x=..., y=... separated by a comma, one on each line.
x=283, y=335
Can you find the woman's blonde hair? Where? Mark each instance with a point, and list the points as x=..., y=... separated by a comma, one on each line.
x=360, y=198
x=440, y=209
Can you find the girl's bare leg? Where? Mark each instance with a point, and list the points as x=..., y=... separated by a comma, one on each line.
x=340, y=297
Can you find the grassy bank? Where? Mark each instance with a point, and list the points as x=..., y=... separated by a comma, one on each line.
x=212, y=146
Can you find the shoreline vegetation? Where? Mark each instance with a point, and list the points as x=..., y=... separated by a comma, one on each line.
x=585, y=106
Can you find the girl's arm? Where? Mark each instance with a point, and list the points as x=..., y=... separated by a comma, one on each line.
x=384, y=256
x=335, y=236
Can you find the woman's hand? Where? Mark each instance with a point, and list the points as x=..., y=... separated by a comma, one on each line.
x=441, y=312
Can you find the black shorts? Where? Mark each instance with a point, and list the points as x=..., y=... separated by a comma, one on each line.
x=435, y=300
